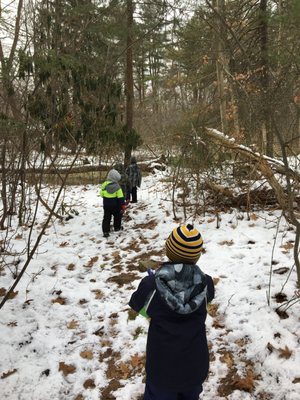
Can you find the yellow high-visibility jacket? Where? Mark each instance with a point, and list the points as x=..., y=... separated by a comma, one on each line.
x=112, y=194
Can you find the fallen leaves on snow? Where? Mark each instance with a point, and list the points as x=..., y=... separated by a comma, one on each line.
x=8, y=373
x=73, y=324
x=66, y=369
x=282, y=352
x=87, y=354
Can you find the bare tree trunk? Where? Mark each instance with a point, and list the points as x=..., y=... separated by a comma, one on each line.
x=3, y=186
x=290, y=209
x=220, y=60
x=267, y=136
x=22, y=182
x=7, y=64
x=129, y=82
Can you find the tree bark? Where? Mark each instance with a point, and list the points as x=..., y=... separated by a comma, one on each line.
x=220, y=60
x=267, y=136
x=129, y=82
x=7, y=65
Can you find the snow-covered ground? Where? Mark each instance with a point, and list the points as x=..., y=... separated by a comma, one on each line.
x=69, y=334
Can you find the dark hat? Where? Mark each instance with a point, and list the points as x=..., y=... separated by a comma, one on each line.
x=184, y=245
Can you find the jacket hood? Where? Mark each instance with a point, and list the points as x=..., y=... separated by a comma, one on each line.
x=182, y=286
x=111, y=187
x=113, y=176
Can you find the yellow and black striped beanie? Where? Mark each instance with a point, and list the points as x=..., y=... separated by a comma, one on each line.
x=184, y=244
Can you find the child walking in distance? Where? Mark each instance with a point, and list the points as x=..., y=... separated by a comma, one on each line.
x=175, y=299
x=113, y=202
x=134, y=180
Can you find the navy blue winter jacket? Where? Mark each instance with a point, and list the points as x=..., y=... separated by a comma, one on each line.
x=177, y=353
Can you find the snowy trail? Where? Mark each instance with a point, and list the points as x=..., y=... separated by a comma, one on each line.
x=69, y=334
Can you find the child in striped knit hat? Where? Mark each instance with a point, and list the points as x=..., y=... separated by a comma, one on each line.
x=175, y=299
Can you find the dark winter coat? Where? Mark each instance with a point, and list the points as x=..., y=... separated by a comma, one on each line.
x=134, y=176
x=177, y=352
x=123, y=181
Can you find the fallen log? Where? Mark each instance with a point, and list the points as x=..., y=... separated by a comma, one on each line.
x=267, y=166
x=145, y=167
x=230, y=143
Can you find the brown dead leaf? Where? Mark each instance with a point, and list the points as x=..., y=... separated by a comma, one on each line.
x=270, y=347
x=2, y=292
x=227, y=358
x=216, y=280
x=217, y=324
x=285, y=353
x=71, y=267
x=18, y=237
x=210, y=220
x=241, y=342
x=92, y=261
x=106, y=343
x=106, y=354
x=123, y=278
x=147, y=225
x=125, y=370
x=66, y=369
x=280, y=297
x=296, y=380
x=73, y=324
x=59, y=300
x=132, y=314
x=8, y=373
x=116, y=257
x=212, y=309
x=287, y=246
x=87, y=354
x=98, y=294
x=227, y=242
x=79, y=397
x=12, y=295
x=12, y=323
x=282, y=313
x=64, y=244
x=89, y=384
x=253, y=217
x=246, y=384
x=106, y=393
x=137, y=360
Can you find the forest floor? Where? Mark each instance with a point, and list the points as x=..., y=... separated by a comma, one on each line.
x=68, y=332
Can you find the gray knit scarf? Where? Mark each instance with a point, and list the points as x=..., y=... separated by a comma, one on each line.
x=182, y=286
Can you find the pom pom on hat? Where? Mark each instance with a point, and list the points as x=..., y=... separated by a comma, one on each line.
x=184, y=245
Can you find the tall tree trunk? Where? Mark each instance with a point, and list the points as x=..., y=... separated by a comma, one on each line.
x=267, y=136
x=3, y=186
x=7, y=64
x=220, y=60
x=129, y=83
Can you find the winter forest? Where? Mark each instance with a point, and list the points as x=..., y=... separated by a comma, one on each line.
x=205, y=95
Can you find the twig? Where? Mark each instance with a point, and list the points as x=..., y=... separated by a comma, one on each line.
x=271, y=266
